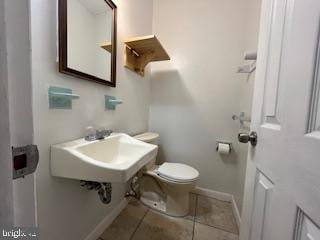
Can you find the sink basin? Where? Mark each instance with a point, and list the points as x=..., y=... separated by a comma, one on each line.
x=114, y=159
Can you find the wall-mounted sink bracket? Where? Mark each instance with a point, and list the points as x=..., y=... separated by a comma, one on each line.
x=111, y=102
x=104, y=190
x=61, y=98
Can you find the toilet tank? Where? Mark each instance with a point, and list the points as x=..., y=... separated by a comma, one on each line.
x=152, y=138
x=148, y=137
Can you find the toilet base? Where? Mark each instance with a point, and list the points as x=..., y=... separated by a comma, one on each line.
x=169, y=198
x=161, y=206
x=156, y=205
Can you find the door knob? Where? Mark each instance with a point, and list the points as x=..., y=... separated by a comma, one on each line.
x=245, y=138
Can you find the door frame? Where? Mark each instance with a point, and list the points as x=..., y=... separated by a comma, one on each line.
x=17, y=86
x=6, y=196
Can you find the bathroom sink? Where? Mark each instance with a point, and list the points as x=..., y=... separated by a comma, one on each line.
x=114, y=159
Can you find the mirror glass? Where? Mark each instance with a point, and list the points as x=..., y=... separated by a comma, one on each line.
x=87, y=39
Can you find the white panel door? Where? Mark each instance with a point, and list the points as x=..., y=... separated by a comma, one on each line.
x=286, y=118
x=306, y=229
x=263, y=188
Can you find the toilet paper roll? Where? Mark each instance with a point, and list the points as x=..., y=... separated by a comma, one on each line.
x=223, y=148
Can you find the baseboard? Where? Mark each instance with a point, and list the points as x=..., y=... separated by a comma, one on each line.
x=236, y=212
x=213, y=194
x=96, y=233
x=222, y=197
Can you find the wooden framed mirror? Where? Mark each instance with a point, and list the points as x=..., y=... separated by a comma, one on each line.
x=88, y=40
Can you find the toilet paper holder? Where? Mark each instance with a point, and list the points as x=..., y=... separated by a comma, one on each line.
x=224, y=142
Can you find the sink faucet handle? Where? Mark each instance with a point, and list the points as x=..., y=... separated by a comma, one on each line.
x=101, y=134
x=109, y=132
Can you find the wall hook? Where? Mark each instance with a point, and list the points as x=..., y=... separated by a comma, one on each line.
x=111, y=102
x=61, y=98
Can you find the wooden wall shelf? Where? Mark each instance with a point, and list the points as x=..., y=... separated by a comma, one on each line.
x=107, y=46
x=142, y=50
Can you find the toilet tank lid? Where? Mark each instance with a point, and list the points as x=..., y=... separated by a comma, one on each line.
x=147, y=137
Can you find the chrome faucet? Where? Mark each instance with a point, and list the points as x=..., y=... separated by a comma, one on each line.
x=97, y=134
x=101, y=134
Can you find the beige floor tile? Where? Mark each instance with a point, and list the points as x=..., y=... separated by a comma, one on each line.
x=126, y=223
x=216, y=213
x=203, y=232
x=156, y=226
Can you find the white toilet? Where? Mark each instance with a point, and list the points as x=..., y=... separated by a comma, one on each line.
x=166, y=187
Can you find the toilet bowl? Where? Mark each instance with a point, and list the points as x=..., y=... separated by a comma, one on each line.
x=166, y=187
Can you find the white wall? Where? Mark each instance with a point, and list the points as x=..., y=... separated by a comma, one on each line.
x=65, y=211
x=195, y=94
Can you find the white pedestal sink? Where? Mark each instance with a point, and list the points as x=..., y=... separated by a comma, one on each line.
x=115, y=159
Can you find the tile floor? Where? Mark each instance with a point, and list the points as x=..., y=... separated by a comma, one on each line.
x=209, y=219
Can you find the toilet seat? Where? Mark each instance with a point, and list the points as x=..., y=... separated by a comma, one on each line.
x=177, y=172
